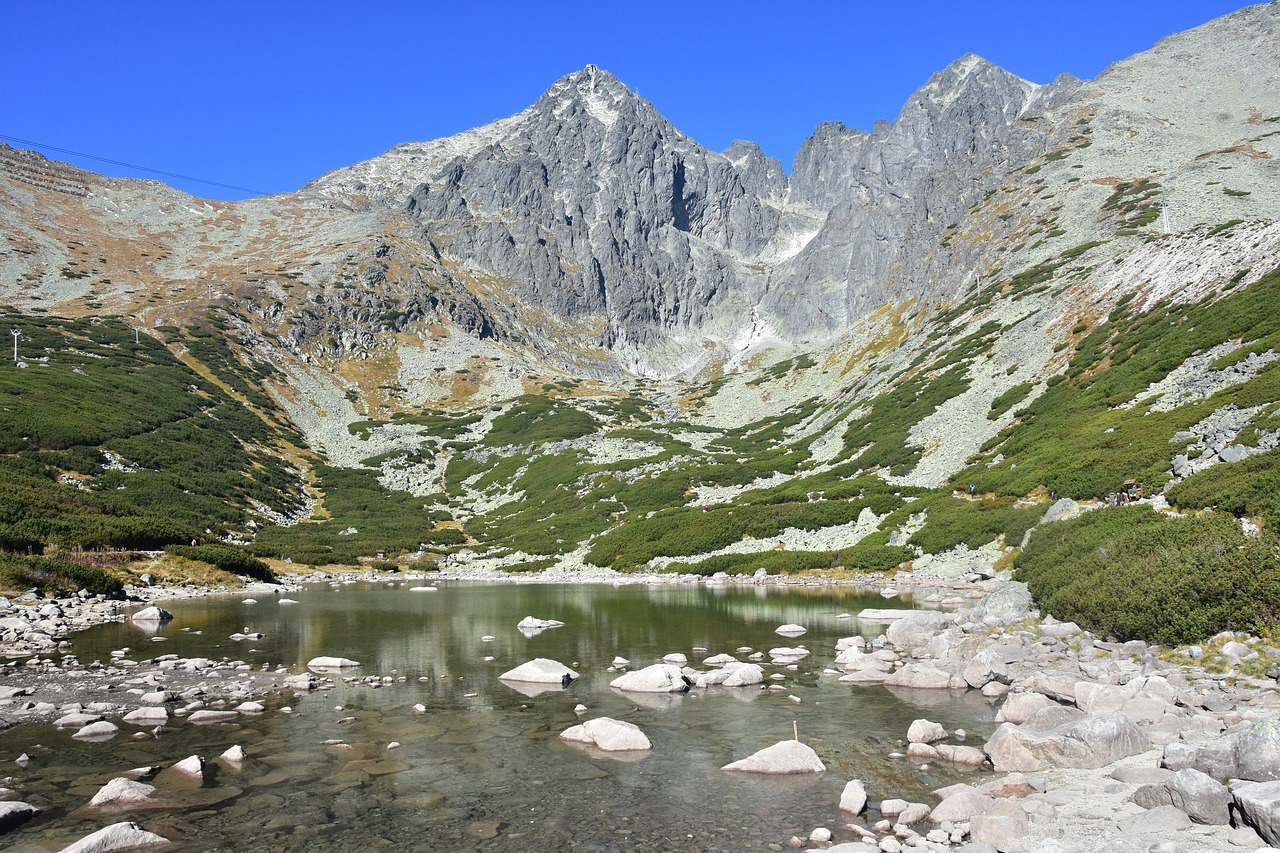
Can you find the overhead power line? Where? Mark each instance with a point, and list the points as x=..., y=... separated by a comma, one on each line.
x=47, y=147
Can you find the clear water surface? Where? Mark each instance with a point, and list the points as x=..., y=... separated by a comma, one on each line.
x=483, y=769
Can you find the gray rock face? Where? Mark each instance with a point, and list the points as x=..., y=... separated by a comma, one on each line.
x=1203, y=799
x=1092, y=742
x=617, y=213
x=1258, y=752
x=1258, y=805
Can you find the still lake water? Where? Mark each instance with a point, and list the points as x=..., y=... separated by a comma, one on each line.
x=484, y=768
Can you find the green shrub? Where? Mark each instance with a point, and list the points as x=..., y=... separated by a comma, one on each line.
x=1133, y=573
x=54, y=576
x=229, y=558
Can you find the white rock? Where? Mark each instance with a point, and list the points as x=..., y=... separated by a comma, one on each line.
x=152, y=614
x=675, y=658
x=286, y=601
x=788, y=756
x=925, y=731
x=204, y=717
x=192, y=765
x=658, y=678
x=234, y=755
x=121, y=791
x=147, y=717
x=125, y=835
x=539, y=671
x=791, y=630
x=854, y=797
x=529, y=622
x=422, y=589
x=620, y=661
x=321, y=664
x=419, y=708
x=608, y=734
x=250, y=708
x=101, y=730
x=579, y=709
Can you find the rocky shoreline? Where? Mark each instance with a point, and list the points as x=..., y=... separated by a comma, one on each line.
x=1101, y=745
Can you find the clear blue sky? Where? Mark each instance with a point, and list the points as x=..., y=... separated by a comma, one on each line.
x=271, y=93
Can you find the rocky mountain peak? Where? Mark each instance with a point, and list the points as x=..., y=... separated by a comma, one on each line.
x=603, y=96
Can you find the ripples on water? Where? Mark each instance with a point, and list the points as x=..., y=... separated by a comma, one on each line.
x=483, y=769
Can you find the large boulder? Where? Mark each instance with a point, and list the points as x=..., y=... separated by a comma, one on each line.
x=986, y=666
x=1093, y=742
x=608, y=734
x=923, y=676
x=1258, y=752
x=1216, y=759
x=125, y=835
x=1064, y=508
x=152, y=615
x=1204, y=799
x=1010, y=602
x=911, y=634
x=1018, y=707
x=658, y=678
x=788, y=756
x=540, y=671
x=1258, y=805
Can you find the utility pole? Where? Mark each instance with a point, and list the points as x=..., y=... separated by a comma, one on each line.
x=16, y=334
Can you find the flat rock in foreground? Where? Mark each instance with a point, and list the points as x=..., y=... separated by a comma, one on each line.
x=788, y=756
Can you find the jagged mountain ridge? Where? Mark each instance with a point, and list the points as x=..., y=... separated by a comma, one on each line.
x=589, y=233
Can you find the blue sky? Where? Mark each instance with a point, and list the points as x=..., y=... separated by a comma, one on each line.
x=269, y=94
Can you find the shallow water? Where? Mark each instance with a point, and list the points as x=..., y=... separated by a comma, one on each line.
x=484, y=769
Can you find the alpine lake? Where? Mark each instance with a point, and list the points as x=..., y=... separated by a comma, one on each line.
x=484, y=769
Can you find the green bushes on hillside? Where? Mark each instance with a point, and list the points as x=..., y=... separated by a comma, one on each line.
x=54, y=577
x=1133, y=573
x=229, y=558
x=1250, y=487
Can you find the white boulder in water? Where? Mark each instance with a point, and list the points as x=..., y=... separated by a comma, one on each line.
x=325, y=663
x=540, y=671
x=531, y=623
x=608, y=734
x=788, y=756
x=659, y=678
x=791, y=630
x=152, y=614
x=125, y=835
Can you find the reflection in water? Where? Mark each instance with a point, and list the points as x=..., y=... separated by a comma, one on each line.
x=483, y=768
